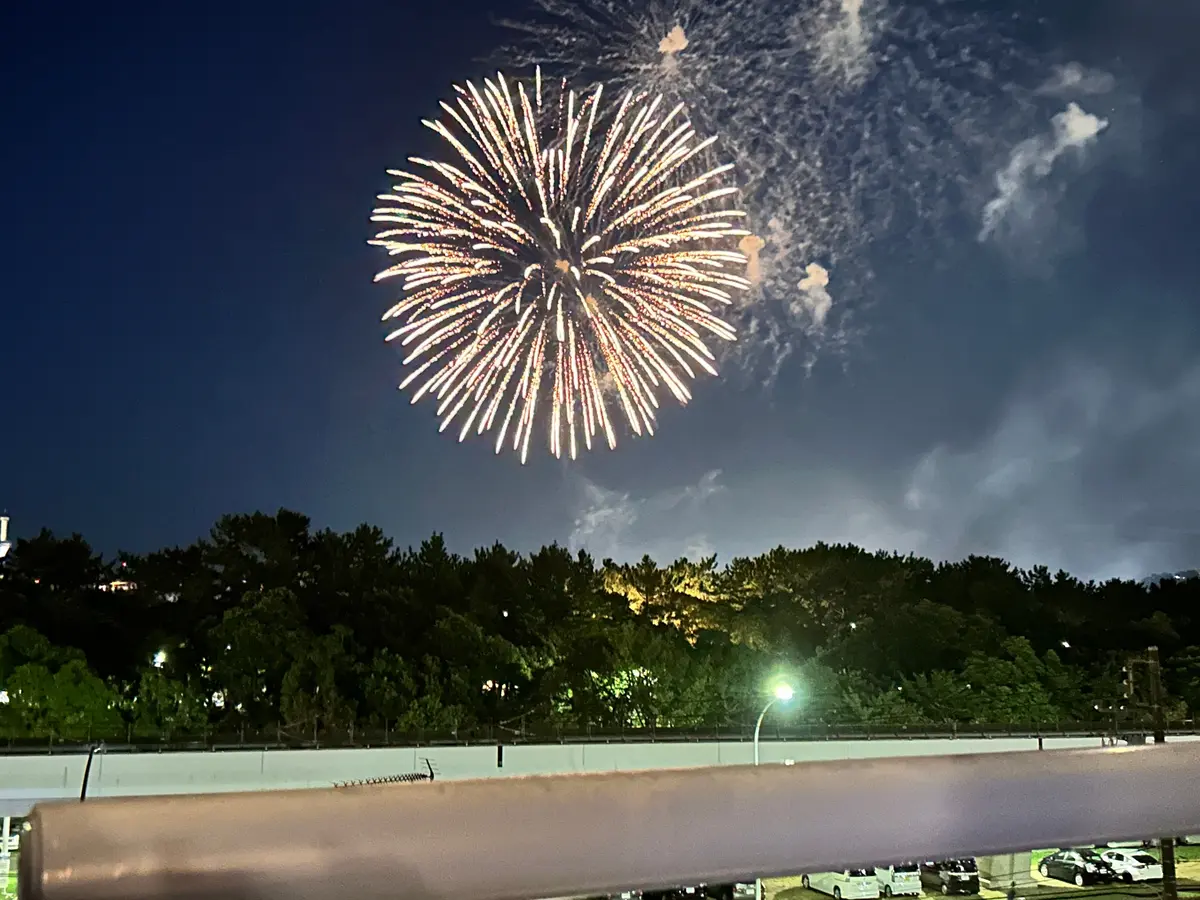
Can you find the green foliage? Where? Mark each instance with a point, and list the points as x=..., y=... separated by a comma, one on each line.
x=163, y=707
x=65, y=703
x=268, y=626
x=315, y=691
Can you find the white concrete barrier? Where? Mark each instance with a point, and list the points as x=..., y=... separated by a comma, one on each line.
x=25, y=780
x=505, y=839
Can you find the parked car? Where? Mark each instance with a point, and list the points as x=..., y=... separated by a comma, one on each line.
x=689, y=892
x=1078, y=867
x=899, y=880
x=848, y=884
x=951, y=876
x=739, y=891
x=1133, y=865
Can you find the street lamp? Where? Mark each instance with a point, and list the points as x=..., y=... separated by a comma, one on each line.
x=782, y=694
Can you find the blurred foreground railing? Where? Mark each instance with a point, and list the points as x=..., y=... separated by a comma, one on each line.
x=278, y=738
x=587, y=835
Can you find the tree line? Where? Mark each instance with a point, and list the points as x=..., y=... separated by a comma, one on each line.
x=272, y=629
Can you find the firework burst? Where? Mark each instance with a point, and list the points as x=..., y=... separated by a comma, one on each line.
x=569, y=254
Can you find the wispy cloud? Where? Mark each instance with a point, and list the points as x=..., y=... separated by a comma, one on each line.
x=1085, y=469
x=613, y=524
x=1090, y=473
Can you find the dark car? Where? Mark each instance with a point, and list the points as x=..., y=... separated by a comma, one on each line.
x=951, y=876
x=691, y=892
x=742, y=890
x=1078, y=867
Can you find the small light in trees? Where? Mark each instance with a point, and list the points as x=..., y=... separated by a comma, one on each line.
x=160, y=659
x=3, y=697
x=853, y=625
x=1066, y=644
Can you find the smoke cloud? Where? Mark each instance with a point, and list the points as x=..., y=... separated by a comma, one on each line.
x=1016, y=201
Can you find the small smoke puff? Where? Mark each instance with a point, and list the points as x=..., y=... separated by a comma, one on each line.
x=675, y=41
x=817, y=301
x=817, y=277
x=1074, y=127
x=1077, y=79
x=1032, y=159
x=750, y=245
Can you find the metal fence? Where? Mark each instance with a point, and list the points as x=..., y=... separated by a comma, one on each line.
x=280, y=737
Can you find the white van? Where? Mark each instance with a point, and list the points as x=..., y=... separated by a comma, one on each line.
x=849, y=884
x=900, y=880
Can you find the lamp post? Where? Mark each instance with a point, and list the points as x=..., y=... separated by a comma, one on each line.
x=782, y=694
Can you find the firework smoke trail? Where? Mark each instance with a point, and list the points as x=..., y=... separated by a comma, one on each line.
x=568, y=254
x=851, y=120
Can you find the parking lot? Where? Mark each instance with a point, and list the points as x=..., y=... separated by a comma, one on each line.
x=1187, y=870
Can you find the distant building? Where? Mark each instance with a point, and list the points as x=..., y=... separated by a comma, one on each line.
x=5, y=546
x=119, y=584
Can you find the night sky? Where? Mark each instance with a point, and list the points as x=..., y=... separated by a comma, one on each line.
x=190, y=327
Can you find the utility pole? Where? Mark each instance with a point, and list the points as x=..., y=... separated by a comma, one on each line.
x=1166, y=844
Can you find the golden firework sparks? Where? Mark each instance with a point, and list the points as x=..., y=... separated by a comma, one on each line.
x=568, y=252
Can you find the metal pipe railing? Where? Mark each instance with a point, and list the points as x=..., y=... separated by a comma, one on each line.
x=586, y=835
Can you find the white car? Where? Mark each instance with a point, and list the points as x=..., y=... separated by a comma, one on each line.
x=902, y=879
x=1133, y=865
x=849, y=884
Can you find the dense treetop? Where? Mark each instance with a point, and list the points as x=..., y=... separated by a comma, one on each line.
x=267, y=627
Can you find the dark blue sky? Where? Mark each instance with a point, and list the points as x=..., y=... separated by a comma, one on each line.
x=190, y=328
